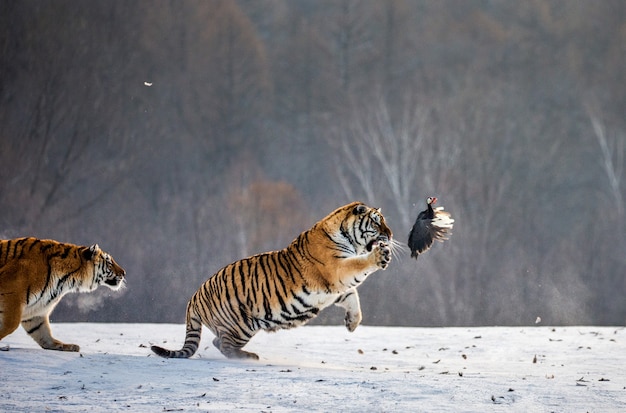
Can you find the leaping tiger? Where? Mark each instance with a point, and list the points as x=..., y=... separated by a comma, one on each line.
x=287, y=288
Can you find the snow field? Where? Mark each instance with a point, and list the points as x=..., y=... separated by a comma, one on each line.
x=321, y=369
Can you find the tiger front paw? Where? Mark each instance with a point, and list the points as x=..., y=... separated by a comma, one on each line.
x=59, y=346
x=71, y=347
x=382, y=252
x=353, y=320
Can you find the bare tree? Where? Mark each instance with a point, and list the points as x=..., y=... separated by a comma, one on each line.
x=605, y=262
x=376, y=152
x=68, y=161
x=612, y=155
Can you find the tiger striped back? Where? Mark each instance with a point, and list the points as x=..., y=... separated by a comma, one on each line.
x=287, y=288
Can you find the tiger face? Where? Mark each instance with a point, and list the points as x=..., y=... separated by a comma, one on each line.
x=364, y=226
x=107, y=271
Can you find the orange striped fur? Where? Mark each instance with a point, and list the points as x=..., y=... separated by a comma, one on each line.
x=35, y=274
x=287, y=288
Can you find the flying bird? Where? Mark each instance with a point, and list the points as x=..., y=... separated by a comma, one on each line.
x=431, y=224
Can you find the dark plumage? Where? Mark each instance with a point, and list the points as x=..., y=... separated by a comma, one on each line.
x=431, y=224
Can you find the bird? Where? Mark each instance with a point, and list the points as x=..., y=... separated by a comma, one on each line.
x=430, y=225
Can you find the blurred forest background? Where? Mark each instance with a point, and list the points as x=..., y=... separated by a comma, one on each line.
x=183, y=135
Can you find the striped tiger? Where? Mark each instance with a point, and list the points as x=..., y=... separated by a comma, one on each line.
x=287, y=288
x=35, y=274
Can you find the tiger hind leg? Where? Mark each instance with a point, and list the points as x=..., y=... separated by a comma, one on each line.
x=38, y=328
x=231, y=347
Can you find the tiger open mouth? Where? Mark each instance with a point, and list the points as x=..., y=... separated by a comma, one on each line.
x=380, y=238
x=115, y=282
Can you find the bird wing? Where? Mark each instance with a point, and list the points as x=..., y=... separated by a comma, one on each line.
x=426, y=231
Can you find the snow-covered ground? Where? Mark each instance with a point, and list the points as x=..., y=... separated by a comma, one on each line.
x=321, y=369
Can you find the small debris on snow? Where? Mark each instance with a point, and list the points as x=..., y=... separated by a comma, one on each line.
x=334, y=371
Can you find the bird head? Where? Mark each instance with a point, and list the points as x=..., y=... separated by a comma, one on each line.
x=431, y=200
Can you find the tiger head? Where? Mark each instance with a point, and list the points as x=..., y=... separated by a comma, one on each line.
x=363, y=226
x=106, y=270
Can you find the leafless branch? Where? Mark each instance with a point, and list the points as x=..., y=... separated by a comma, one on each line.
x=612, y=152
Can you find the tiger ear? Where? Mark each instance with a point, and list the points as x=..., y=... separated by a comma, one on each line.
x=359, y=209
x=88, y=253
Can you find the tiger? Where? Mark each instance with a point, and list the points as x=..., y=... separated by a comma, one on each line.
x=286, y=288
x=36, y=273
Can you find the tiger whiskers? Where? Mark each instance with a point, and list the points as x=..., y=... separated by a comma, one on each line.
x=397, y=248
